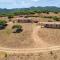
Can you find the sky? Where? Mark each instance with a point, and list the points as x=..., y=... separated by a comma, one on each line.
x=27, y=3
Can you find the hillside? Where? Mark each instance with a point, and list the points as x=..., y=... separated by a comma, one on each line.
x=30, y=10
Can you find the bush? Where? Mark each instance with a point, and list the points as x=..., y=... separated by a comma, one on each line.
x=47, y=12
x=47, y=16
x=56, y=18
x=56, y=12
x=9, y=17
x=3, y=24
x=17, y=28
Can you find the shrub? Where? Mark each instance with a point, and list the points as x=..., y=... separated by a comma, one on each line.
x=17, y=28
x=3, y=24
x=47, y=12
x=56, y=18
x=9, y=17
x=50, y=21
x=47, y=16
x=56, y=12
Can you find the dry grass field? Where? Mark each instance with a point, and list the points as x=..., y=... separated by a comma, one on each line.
x=51, y=36
x=42, y=15
x=49, y=55
x=17, y=40
x=28, y=39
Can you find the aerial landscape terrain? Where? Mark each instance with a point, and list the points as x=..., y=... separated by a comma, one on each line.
x=30, y=33
x=29, y=30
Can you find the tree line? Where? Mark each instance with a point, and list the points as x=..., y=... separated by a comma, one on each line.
x=31, y=10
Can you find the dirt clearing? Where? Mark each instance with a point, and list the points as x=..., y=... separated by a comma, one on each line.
x=50, y=36
x=20, y=40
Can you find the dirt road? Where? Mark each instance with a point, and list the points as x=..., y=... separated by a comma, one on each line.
x=30, y=50
x=39, y=42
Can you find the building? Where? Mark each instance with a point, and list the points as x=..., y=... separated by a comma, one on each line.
x=25, y=20
x=50, y=24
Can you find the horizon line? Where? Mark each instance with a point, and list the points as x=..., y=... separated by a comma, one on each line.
x=30, y=7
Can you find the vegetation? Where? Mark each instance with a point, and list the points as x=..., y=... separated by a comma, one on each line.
x=56, y=18
x=31, y=10
x=53, y=17
x=48, y=17
x=17, y=28
x=10, y=16
x=2, y=24
x=56, y=12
